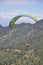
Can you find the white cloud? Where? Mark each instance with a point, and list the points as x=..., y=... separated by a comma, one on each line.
x=5, y=17
x=12, y=13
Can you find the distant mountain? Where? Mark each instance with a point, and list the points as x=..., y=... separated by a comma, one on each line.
x=22, y=34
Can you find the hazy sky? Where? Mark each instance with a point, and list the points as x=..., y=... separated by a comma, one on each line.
x=12, y=8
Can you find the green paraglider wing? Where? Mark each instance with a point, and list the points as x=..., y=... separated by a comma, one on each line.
x=19, y=16
x=13, y=21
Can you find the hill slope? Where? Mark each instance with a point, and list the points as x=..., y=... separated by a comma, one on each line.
x=22, y=34
x=22, y=44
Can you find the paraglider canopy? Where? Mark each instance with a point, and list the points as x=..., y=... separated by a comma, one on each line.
x=19, y=16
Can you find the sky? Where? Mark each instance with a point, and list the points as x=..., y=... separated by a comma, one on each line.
x=11, y=8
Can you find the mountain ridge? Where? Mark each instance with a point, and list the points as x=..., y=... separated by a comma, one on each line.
x=22, y=34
